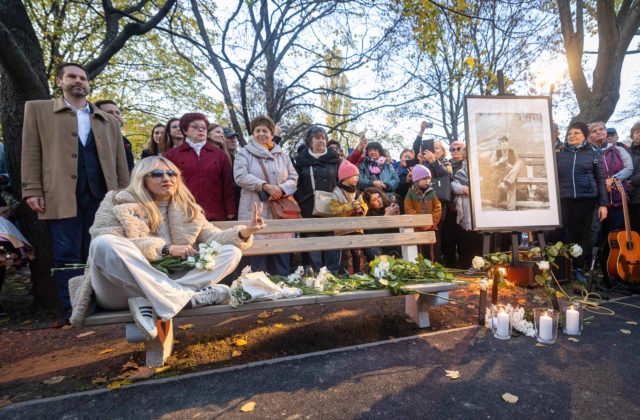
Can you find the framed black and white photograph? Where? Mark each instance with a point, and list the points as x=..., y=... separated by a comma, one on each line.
x=512, y=168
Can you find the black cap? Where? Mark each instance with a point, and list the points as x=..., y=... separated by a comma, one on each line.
x=229, y=132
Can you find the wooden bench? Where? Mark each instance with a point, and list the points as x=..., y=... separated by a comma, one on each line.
x=416, y=305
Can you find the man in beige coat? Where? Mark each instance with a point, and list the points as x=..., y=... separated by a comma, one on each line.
x=72, y=154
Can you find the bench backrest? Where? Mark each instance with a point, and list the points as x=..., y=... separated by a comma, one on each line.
x=405, y=237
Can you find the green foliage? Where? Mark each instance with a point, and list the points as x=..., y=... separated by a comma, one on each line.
x=147, y=79
x=334, y=102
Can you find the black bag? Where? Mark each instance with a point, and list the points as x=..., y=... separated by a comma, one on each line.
x=442, y=187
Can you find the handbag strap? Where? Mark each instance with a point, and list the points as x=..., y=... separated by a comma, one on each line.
x=313, y=182
x=264, y=171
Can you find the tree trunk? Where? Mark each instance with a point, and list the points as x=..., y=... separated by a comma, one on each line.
x=598, y=102
x=22, y=78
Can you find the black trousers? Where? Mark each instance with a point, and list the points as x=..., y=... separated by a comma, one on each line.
x=576, y=216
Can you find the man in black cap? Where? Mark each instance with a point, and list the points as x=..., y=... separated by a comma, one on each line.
x=612, y=138
x=231, y=139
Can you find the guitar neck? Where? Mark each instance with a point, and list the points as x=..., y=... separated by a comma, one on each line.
x=625, y=210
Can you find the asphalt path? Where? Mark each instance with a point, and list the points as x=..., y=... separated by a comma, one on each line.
x=597, y=377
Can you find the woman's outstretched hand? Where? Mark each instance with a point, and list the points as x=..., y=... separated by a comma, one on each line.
x=257, y=222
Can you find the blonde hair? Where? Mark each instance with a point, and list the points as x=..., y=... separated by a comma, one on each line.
x=183, y=199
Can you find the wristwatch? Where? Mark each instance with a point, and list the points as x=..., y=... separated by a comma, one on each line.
x=165, y=250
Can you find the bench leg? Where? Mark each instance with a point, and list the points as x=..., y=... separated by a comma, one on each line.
x=409, y=252
x=158, y=349
x=417, y=307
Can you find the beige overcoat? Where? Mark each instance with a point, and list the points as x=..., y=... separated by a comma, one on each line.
x=50, y=154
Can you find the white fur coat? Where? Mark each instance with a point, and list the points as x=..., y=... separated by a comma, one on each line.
x=119, y=214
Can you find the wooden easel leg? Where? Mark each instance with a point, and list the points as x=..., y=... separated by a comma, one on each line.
x=482, y=307
x=417, y=307
x=158, y=349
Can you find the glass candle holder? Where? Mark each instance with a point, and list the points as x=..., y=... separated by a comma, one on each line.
x=546, y=324
x=500, y=322
x=573, y=315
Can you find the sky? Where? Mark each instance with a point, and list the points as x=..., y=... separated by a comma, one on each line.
x=364, y=81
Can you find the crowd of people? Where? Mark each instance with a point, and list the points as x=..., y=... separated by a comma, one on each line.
x=78, y=175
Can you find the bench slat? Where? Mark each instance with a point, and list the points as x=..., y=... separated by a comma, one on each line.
x=117, y=317
x=329, y=224
x=323, y=243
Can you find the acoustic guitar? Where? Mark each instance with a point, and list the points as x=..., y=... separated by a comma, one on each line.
x=624, y=259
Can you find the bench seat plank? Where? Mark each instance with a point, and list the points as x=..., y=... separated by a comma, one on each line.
x=116, y=317
x=330, y=224
x=322, y=243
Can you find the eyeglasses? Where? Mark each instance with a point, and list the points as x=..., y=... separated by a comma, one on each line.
x=456, y=149
x=198, y=127
x=159, y=173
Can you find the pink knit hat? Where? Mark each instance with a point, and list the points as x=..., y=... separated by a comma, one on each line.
x=420, y=172
x=346, y=170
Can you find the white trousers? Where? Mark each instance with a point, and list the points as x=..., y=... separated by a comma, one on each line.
x=120, y=271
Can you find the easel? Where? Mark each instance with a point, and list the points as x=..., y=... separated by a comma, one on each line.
x=515, y=246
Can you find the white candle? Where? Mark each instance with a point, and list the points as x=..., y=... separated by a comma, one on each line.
x=503, y=324
x=546, y=327
x=572, y=321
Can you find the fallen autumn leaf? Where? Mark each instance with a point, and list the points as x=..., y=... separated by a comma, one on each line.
x=85, y=334
x=296, y=317
x=625, y=331
x=54, y=380
x=453, y=374
x=510, y=398
x=248, y=407
x=185, y=326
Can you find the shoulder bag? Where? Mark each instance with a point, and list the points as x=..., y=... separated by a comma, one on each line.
x=321, y=199
x=286, y=207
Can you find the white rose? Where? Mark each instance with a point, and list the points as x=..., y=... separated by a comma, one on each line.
x=208, y=258
x=210, y=266
x=191, y=260
x=199, y=265
x=215, y=247
x=543, y=265
x=575, y=250
x=484, y=284
x=478, y=263
x=202, y=246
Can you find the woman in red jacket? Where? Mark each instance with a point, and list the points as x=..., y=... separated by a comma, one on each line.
x=206, y=169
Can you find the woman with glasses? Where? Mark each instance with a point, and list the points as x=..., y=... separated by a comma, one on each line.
x=582, y=186
x=259, y=157
x=154, y=217
x=206, y=169
x=452, y=233
x=173, y=136
x=317, y=167
x=155, y=145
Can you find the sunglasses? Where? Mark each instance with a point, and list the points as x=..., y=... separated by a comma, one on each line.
x=159, y=173
x=455, y=149
x=198, y=127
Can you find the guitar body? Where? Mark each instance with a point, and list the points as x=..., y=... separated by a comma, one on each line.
x=624, y=259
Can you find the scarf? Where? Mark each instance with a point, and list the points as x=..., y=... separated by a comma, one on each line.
x=197, y=147
x=375, y=166
x=348, y=188
x=318, y=155
x=269, y=145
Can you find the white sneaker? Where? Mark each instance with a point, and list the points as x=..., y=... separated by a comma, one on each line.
x=211, y=295
x=144, y=317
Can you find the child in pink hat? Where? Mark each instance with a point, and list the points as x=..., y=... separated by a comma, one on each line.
x=348, y=202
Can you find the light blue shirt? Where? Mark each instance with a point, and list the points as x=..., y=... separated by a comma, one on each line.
x=84, y=120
